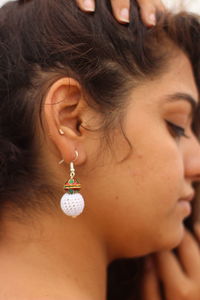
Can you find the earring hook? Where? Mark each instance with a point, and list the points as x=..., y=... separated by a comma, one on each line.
x=76, y=156
x=72, y=168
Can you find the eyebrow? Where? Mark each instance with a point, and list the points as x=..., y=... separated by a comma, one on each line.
x=184, y=97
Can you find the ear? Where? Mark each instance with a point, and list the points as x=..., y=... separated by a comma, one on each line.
x=62, y=112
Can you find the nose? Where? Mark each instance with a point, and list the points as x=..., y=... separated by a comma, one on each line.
x=192, y=160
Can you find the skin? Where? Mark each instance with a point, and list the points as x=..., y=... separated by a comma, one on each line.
x=150, y=288
x=151, y=278
x=180, y=276
x=121, y=9
x=150, y=284
x=64, y=256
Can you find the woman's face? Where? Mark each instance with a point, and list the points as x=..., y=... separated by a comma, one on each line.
x=135, y=204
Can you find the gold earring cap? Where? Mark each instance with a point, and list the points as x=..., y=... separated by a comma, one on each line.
x=61, y=131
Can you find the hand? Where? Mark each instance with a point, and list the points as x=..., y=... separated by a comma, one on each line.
x=180, y=275
x=121, y=9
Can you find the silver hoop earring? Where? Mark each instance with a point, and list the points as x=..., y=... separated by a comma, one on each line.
x=72, y=202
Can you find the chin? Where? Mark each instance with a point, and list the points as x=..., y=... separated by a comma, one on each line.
x=163, y=242
x=173, y=239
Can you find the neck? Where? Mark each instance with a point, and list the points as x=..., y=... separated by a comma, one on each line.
x=60, y=256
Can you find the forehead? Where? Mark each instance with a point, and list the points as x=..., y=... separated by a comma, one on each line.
x=179, y=80
x=176, y=79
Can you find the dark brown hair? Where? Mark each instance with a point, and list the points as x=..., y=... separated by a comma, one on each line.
x=42, y=40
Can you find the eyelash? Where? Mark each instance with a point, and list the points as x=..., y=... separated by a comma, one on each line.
x=177, y=130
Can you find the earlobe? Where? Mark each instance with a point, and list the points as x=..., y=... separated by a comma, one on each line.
x=62, y=114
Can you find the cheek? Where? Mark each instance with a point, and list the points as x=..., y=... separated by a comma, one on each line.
x=157, y=163
x=156, y=182
x=133, y=201
x=147, y=199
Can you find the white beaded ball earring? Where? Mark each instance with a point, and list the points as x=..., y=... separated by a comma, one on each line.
x=72, y=202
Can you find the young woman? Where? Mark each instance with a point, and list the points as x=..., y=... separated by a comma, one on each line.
x=113, y=106
x=179, y=273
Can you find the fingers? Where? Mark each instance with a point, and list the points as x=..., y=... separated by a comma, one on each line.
x=180, y=274
x=170, y=271
x=121, y=10
x=86, y=5
x=148, y=10
x=150, y=284
x=189, y=255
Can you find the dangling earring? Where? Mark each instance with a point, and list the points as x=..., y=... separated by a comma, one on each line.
x=72, y=202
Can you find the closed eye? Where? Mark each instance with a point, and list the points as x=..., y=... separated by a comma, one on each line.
x=177, y=131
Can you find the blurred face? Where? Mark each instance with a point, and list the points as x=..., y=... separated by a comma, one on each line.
x=135, y=204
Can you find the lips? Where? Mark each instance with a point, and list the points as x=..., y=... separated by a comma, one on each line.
x=185, y=204
x=188, y=198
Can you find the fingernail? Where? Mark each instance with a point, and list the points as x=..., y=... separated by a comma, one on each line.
x=88, y=5
x=124, y=15
x=197, y=229
x=152, y=19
